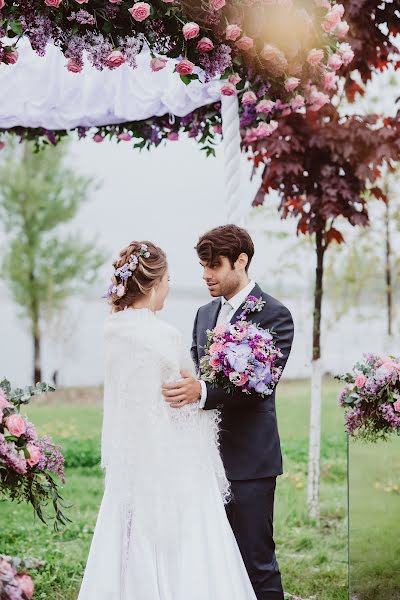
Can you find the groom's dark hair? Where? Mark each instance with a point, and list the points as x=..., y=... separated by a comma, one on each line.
x=227, y=240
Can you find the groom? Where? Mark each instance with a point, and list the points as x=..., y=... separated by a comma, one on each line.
x=249, y=439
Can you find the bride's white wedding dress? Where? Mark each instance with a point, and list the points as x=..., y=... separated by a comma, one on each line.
x=161, y=532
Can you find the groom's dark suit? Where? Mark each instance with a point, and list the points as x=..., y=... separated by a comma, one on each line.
x=250, y=447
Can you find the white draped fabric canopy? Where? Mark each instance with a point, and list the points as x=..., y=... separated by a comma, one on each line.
x=40, y=92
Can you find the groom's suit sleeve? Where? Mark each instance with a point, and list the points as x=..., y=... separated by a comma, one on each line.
x=193, y=349
x=281, y=323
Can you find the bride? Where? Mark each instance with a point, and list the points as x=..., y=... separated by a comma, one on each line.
x=162, y=531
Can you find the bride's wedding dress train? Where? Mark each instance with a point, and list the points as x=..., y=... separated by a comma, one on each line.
x=161, y=532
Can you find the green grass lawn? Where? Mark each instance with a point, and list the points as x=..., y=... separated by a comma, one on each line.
x=313, y=560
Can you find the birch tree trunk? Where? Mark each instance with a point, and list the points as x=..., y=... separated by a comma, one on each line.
x=316, y=386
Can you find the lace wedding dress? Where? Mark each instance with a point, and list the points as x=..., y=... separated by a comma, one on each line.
x=161, y=532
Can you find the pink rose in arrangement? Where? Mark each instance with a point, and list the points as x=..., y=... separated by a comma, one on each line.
x=342, y=29
x=35, y=455
x=396, y=406
x=214, y=362
x=249, y=98
x=157, y=63
x=330, y=80
x=265, y=106
x=332, y=20
x=98, y=138
x=205, y=45
x=245, y=43
x=185, y=67
x=73, y=66
x=217, y=4
x=2, y=4
x=228, y=89
x=238, y=379
x=264, y=130
x=219, y=330
x=233, y=32
x=4, y=403
x=173, y=136
x=82, y=1
x=25, y=584
x=15, y=425
x=317, y=100
x=315, y=56
x=140, y=11
x=360, y=381
x=11, y=57
x=124, y=136
x=190, y=31
x=115, y=1
x=115, y=59
x=216, y=347
x=53, y=3
x=217, y=129
x=291, y=83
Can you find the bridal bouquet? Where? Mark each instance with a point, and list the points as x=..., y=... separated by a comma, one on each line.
x=28, y=462
x=371, y=397
x=241, y=355
x=14, y=584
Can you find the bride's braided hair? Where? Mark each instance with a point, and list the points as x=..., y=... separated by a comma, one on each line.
x=150, y=267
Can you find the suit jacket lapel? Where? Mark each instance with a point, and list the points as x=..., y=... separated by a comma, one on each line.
x=256, y=291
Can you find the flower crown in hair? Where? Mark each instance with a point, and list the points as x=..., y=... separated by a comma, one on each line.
x=126, y=270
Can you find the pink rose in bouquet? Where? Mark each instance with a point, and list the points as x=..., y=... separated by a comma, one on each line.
x=140, y=11
x=15, y=425
x=190, y=31
x=185, y=67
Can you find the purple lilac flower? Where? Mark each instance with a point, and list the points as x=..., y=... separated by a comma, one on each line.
x=216, y=62
x=389, y=415
x=130, y=47
x=98, y=49
x=248, y=115
x=30, y=432
x=83, y=17
x=354, y=420
x=40, y=31
x=11, y=457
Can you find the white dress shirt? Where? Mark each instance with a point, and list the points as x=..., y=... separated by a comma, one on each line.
x=236, y=302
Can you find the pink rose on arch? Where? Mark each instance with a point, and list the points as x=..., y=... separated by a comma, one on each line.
x=115, y=59
x=205, y=45
x=53, y=3
x=342, y=29
x=73, y=66
x=157, y=63
x=264, y=130
x=330, y=80
x=185, y=67
x=217, y=129
x=190, y=31
x=228, y=89
x=317, y=100
x=15, y=425
x=25, y=584
x=124, y=136
x=249, y=98
x=346, y=53
x=82, y=1
x=11, y=57
x=173, y=136
x=115, y=1
x=4, y=403
x=140, y=11
x=217, y=4
x=234, y=78
x=245, y=43
x=360, y=381
x=2, y=4
x=232, y=32
x=216, y=347
x=315, y=56
x=270, y=52
x=98, y=138
x=35, y=455
x=331, y=21
x=291, y=83
x=297, y=102
x=265, y=106
x=335, y=62
x=396, y=406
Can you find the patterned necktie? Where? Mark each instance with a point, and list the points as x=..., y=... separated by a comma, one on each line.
x=224, y=312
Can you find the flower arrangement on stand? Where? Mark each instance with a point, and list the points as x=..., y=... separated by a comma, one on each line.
x=371, y=397
x=15, y=581
x=28, y=463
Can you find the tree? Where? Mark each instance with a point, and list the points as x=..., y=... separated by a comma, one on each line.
x=322, y=165
x=42, y=266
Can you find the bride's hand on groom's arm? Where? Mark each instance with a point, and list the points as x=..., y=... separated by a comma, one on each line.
x=185, y=391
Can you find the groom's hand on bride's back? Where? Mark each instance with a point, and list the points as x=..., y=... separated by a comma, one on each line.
x=185, y=391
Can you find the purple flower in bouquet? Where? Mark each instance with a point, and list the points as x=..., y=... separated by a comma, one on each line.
x=238, y=356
